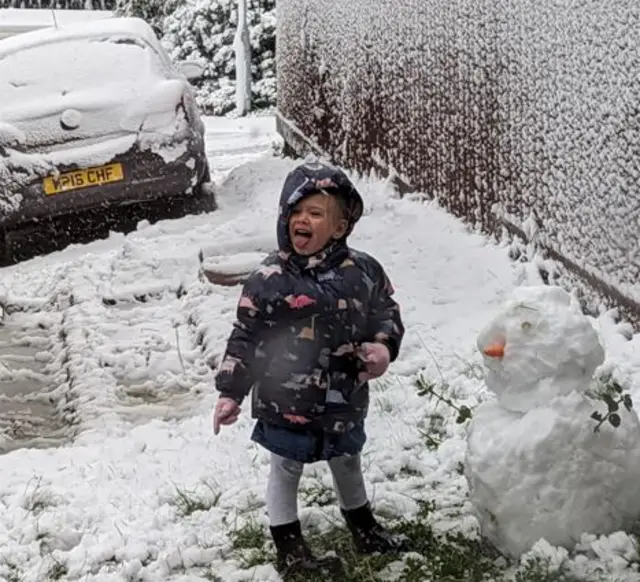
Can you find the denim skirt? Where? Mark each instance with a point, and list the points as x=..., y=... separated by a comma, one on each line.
x=308, y=446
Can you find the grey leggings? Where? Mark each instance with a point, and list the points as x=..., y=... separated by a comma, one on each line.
x=284, y=478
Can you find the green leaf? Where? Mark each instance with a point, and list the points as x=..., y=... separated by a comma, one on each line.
x=617, y=387
x=611, y=403
x=464, y=414
x=596, y=415
x=614, y=419
x=628, y=404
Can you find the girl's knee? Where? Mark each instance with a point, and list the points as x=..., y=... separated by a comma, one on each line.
x=286, y=467
x=345, y=464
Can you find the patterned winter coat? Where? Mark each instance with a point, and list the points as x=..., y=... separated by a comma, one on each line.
x=301, y=319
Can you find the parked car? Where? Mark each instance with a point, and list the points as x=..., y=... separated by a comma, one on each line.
x=20, y=20
x=95, y=117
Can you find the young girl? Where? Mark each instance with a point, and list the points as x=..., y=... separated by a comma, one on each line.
x=314, y=322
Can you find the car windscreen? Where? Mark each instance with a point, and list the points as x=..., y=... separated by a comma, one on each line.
x=77, y=64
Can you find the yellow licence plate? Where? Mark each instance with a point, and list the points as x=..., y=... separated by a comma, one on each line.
x=83, y=179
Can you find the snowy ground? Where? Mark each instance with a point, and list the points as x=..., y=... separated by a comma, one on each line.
x=131, y=328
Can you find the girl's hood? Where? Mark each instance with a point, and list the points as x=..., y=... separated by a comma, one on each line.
x=310, y=178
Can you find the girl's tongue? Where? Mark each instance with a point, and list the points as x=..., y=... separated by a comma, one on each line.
x=301, y=239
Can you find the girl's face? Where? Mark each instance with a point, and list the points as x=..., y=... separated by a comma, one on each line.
x=315, y=221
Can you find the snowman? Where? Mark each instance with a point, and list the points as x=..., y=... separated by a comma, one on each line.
x=536, y=467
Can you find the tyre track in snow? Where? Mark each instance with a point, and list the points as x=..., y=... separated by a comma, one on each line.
x=33, y=388
x=141, y=339
x=141, y=345
x=103, y=346
x=117, y=335
x=129, y=359
x=112, y=343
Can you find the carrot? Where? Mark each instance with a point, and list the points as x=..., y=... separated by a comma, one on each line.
x=495, y=350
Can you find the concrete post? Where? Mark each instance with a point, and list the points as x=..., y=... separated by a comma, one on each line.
x=242, y=49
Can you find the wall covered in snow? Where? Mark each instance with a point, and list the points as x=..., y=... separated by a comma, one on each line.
x=525, y=112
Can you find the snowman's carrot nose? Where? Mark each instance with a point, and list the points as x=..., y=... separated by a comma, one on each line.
x=494, y=350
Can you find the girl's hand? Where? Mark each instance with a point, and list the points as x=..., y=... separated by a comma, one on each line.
x=226, y=412
x=376, y=359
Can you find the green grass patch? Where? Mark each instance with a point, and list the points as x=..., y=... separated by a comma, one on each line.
x=251, y=543
x=441, y=557
x=188, y=502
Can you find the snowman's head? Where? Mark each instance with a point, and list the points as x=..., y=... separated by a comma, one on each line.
x=539, y=346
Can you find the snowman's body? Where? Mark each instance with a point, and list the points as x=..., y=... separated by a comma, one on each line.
x=535, y=467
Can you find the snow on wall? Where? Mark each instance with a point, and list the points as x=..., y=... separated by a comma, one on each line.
x=523, y=111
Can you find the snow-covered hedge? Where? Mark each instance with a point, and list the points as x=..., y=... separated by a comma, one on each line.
x=153, y=11
x=523, y=112
x=203, y=30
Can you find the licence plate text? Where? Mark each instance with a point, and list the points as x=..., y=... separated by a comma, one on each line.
x=83, y=179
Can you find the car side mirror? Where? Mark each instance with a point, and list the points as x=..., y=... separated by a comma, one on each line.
x=192, y=70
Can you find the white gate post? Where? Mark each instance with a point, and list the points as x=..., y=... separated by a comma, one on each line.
x=242, y=49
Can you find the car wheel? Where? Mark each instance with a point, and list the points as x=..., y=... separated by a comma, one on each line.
x=200, y=201
x=205, y=196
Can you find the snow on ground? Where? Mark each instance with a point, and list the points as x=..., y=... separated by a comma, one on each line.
x=231, y=142
x=137, y=326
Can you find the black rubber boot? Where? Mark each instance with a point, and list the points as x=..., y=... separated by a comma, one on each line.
x=369, y=536
x=294, y=557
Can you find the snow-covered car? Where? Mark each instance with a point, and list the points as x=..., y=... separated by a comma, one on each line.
x=95, y=116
